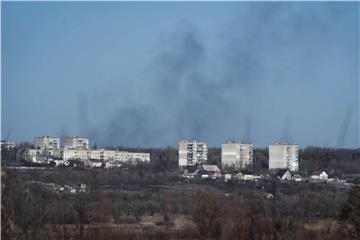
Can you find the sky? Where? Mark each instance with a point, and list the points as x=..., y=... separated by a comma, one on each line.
x=150, y=74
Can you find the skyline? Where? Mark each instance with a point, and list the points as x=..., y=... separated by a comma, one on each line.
x=151, y=74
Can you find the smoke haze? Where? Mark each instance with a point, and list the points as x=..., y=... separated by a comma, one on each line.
x=261, y=73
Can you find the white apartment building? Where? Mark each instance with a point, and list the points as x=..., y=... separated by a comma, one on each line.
x=284, y=156
x=46, y=142
x=102, y=154
x=192, y=153
x=236, y=155
x=122, y=156
x=76, y=154
x=76, y=143
x=105, y=155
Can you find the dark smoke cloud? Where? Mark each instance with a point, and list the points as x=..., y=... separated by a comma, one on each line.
x=131, y=126
x=83, y=114
x=247, y=129
x=181, y=84
x=192, y=100
x=185, y=104
x=344, y=128
x=286, y=137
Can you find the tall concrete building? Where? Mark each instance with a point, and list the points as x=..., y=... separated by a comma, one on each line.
x=192, y=153
x=236, y=155
x=284, y=156
x=46, y=142
x=105, y=155
x=76, y=143
x=102, y=154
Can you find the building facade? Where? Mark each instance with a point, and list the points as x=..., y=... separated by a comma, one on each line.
x=102, y=154
x=319, y=176
x=46, y=142
x=192, y=153
x=119, y=156
x=76, y=143
x=284, y=156
x=76, y=154
x=236, y=155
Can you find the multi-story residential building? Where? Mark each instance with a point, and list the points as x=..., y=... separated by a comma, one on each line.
x=76, y=154
x=95, y=163
x=246, y=155
x=192, y=153
x=7, y=145
x=76, y=143
x=55, y=153
x=46, y=142
x=122, y=156
x=105, y=155
x=236, y=155
x=284, y=156
x=102, y=154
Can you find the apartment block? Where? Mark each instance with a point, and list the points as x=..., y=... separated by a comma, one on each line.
x=76, y=143
x=192, y=153
x=46, y=142
x=76, y=154
x=236, y=155
x=284, y=156
x=102, y=154
x=121, y=156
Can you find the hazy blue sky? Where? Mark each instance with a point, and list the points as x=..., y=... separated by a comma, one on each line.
x=150, y=74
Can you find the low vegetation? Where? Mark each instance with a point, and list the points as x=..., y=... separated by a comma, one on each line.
x=149, y=201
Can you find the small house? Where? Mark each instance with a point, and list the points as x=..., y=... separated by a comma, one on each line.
x=283, y=174
x=319, y=176
x=227, y=177
x=95, y=163
x=113, y=164
x=190, y=175
x=209, y=171
x=249, y=177
x=82, y=188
